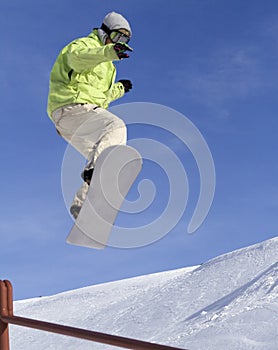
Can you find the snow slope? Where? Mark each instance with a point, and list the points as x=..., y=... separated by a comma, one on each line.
x=228, y=303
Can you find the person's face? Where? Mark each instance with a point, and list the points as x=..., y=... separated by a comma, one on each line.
x=116, y=36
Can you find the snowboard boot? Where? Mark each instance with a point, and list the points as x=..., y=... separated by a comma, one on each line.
x=87, y=175
x=74, y=210
x=79, y=199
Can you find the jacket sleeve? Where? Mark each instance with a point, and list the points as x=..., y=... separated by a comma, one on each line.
x=116, y=92
x=80, y=57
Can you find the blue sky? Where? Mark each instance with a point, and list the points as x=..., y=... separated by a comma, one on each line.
x=213, y=61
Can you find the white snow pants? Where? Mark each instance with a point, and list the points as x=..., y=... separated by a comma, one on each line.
x=90, y=129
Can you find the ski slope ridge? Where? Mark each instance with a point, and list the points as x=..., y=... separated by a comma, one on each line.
x=228, y=303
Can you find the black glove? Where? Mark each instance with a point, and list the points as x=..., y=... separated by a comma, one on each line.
x=127, y=84
x=120, y=49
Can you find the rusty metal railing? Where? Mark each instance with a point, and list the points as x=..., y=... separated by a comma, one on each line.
x=7, y=317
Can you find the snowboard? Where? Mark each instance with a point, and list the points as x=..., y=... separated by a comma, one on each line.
x=115, y=171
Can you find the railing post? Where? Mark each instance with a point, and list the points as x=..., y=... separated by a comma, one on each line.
x=6, y=309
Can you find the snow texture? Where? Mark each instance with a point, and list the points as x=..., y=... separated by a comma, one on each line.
x=228, y=303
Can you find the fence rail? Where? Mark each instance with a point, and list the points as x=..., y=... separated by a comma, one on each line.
x=7, y=317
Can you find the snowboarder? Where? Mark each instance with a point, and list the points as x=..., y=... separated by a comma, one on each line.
x=82, y=85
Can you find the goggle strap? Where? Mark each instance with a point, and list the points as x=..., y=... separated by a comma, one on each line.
x=106, y=29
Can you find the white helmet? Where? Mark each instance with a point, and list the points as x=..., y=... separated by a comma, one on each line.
x=110, y=27
x=113, y=21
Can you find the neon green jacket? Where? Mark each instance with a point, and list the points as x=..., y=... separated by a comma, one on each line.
x=84, y=73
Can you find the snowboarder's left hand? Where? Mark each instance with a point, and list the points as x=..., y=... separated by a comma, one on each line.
x=121, y=49
x=127, y=84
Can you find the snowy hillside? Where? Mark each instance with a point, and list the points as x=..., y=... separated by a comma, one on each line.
x=227, y=303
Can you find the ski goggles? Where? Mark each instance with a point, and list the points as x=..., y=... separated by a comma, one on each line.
x=118, y=37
